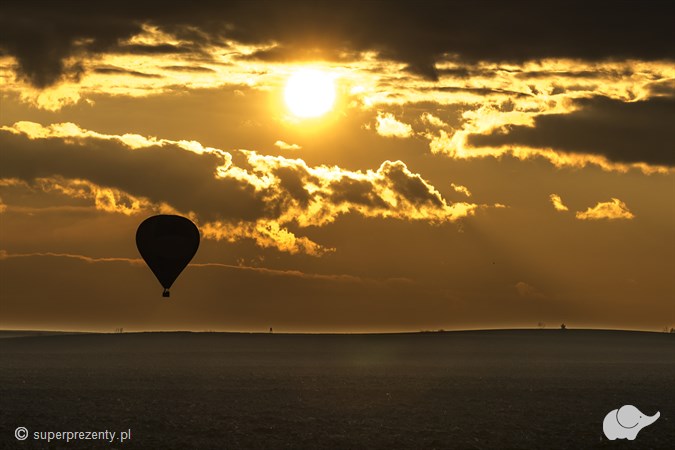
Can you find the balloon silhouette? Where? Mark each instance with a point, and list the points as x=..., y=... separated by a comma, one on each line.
x=167, y=244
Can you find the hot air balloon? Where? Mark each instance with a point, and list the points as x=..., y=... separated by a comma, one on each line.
x=167, y=243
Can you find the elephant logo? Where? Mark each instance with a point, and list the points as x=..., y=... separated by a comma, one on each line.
x=626, y=422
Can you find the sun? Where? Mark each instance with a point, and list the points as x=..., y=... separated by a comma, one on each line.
x=310, y=93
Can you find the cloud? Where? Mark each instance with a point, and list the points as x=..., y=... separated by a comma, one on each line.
x=289, y=53
x=454, y=146
x=285, y=146
x=341, y=278
x=461, y=189
x=104, y=198
x=318, y=195
x=120, y=71
x=481, y=92
x=612, y=210
x=664, y=88
x=258, y=199
x=557, y=203
x=152, y=49
x=266, y=233
x=388, y=126
x=191, y=69
x=432, y=120
x=622, y=132
x=153, y=170
x=44, y=36
x=4, y=255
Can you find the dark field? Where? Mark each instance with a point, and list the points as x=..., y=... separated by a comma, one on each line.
x=474, y=389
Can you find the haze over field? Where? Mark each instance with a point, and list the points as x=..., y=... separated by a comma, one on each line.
x=354, y=168
x=524, y=389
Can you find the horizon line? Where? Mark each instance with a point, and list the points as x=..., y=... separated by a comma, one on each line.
x=437, y=331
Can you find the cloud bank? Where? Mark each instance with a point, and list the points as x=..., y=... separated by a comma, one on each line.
x=49, y=39
x=622, y=132
x=258, y=199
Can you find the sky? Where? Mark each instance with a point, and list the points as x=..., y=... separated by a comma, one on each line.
x=361, y=167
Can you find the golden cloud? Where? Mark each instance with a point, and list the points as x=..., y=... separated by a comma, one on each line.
x=285, y=146
x=539, y=86
x=432, y=120
x=105, y=199
x=455, y=147
x=388, y=126
x=270, y=192
x=493, y=96
x=612, y=210
x=557, y=203
x=461, y=189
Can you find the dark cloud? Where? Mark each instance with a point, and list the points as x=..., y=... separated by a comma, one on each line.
x=291, y=54
x=120, y=71
x=147, y=49
x=593, y=74
x=359, y=192
x=168, y=173
x=42, y=34
x=468, y=72
x=481, y=91
x=410, y=186
x=623, y=132
x=195, y=69
x=665, y=88
x=293, y=180
x=214, y=186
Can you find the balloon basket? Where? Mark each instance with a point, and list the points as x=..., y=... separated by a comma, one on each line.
x=166, y=293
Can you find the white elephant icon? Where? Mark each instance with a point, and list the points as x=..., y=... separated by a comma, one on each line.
x=626, y=422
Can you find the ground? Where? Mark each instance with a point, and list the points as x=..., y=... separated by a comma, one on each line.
x=543, y=389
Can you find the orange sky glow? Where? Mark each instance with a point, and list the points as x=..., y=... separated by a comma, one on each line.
x=341, y=182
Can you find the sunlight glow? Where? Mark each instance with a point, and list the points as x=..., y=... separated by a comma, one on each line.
x=310, y=93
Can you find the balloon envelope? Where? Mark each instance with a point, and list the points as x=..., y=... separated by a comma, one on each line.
x=167, y=244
